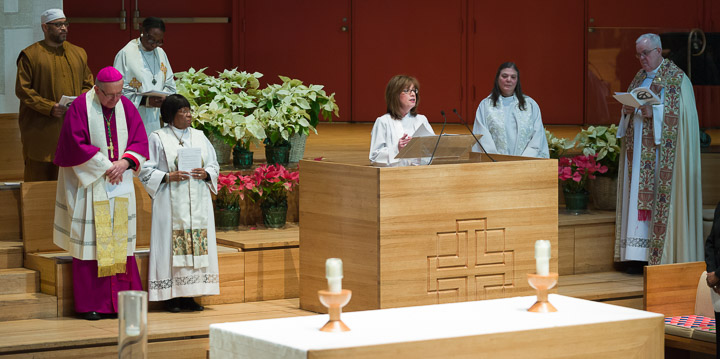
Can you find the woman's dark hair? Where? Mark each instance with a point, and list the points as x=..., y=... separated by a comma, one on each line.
x=395, y=86
x=171, y=106
x=496, y=93
x=153, y=23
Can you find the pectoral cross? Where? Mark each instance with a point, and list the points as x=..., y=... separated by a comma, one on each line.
x=111, y=148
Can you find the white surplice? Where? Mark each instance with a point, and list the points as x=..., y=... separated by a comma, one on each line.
x=78, y=187
x=507, y=130
x=166, y=281
x=139, y=69
x=386, y=134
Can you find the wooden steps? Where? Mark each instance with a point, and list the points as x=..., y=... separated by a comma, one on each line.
x=18, y=281
x=11, y=255
x=27, y=305
x=609, y=287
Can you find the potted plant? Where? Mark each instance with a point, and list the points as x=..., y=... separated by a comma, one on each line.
x=271, y=183
x=231, y=189
x=574, y=173
x=289, y=111
x=557, y=146
x=602, y=141
x=222, y=107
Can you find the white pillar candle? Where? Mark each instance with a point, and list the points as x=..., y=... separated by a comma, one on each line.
x=334, y=274
x=542, y=257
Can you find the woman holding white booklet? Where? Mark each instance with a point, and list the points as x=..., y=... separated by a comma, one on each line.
x=393, y=130
x=183, y=251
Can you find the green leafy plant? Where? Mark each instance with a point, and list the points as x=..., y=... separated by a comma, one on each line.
x=558, y=146
x=603, y=142
x=224, y=105
x=292, y=108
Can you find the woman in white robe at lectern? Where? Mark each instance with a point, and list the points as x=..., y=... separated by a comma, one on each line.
x=508, y=120
x=393, y=130
x=183, y=251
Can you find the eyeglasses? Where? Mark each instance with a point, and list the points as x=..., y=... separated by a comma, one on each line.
x=645, y=53
x=184, y=111
x=152, y=41
x=113, y=95
x=59, y=24
x=408, y=91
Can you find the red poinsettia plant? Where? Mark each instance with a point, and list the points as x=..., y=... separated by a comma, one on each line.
x=271, y=185
x=231, y=189
x=574, y=172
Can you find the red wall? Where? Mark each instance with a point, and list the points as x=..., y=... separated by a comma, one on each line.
x=572, y=54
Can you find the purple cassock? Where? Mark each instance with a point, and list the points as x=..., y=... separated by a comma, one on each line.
x=93, y=293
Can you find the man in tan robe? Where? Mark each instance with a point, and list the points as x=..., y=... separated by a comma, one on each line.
x=47, y=70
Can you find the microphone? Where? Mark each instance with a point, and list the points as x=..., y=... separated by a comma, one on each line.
x=439, y=137
x=471, y=132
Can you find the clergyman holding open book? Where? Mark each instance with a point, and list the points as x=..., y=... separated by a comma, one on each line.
x=659, y=191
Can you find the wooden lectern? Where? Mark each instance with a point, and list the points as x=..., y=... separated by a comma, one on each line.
x=426, y=234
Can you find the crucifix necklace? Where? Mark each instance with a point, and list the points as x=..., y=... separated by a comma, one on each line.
x=152, y=69
x=180, y=141
x=111, y=148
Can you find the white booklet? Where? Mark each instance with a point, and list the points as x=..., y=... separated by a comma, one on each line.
x=637, y=97
x=422, y=132
x=189, y=159
x=122, y=188
x=66, y=100
x=155, y=94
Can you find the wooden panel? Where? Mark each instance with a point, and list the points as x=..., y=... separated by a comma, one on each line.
x=46, y=267
x=259, y=239
x=11, y=255
x=38, y=214
x=27, y=306
x=474, y=241
x=670, y=289
x=710, y=185
x=271, y=274
x=10, y=228
x=64, y=286
x=232, y=280
x=430, y=47
x=339, y=217
x=19, y=280
x=601, y=286
x=566, y=250
x=12, y=165
x=623, y=339
x=594, y=248
x=674, y=341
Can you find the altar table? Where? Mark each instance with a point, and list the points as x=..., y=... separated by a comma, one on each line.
x=499, y=328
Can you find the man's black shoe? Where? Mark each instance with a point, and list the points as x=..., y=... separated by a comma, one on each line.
x=90, y=316
x=190, y=304
x=172, y=305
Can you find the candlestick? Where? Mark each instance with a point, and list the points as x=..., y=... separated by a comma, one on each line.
x=542, y=257
x=334, y=274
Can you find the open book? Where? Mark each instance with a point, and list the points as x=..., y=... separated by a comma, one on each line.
x=155, y=94
x=66, y=100
x=637, y=97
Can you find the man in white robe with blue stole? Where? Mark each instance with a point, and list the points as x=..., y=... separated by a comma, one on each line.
x=101, y=142
x=145, y=67
x=659, y=202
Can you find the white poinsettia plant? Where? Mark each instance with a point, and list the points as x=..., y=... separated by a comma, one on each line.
x=224, y=105
x=603, y=142
x=558, y=146
x=292, y=108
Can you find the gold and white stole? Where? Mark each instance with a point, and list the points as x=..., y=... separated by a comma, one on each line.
x=188, y=205
x=111, y=227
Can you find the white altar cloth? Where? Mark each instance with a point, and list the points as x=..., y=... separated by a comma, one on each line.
x=294, y=337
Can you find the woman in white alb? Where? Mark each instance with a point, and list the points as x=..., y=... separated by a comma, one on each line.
x=393, y=130
x=509, y=121
x=183, y=251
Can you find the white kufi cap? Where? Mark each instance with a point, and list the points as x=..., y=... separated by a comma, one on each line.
x=50, y=15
